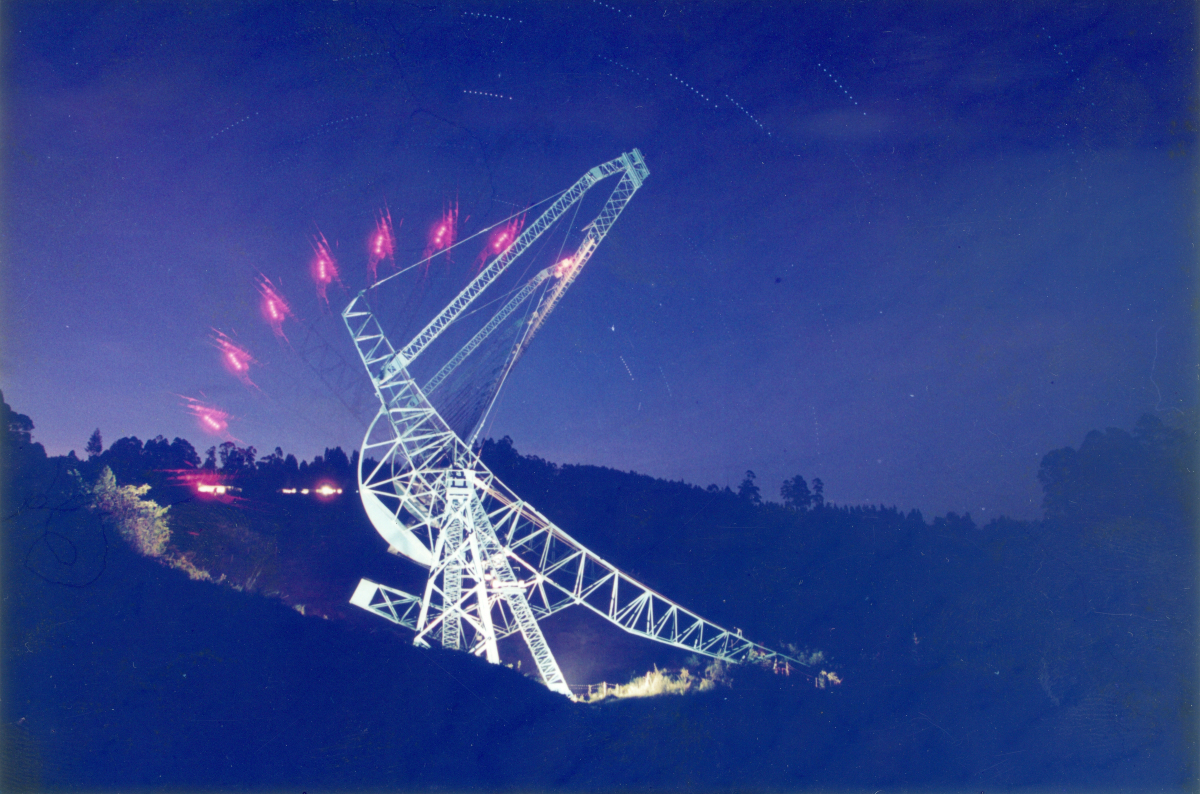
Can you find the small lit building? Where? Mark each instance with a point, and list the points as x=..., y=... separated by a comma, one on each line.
x=324, y=490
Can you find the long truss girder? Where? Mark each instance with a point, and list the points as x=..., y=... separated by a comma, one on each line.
x=485, y=332
x=496, y=565
x=630, y=165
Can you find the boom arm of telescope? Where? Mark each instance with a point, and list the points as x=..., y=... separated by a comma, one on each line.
x=629, y=163
x=631, y=180
x=486, y=331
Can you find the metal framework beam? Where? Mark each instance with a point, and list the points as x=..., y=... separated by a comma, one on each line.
x=496, y=565
x=486, y=331
x=625, y=163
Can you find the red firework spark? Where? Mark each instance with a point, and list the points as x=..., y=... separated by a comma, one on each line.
x=324, y=267
x=235, y=358
x=499, y=241
x=212, y=420
x=274, y=308
x=443, y=233
x=382, y=244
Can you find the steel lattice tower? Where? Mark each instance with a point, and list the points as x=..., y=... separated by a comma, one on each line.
x=496, y=565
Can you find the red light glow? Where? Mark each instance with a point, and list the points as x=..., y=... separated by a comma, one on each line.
x=564, y=266
x=324, y=267
x=443, y=233
x=205, y=482
x=274, y=308
x=237, y=359
x=499, y=240
x=382, y=244
x=211, y=419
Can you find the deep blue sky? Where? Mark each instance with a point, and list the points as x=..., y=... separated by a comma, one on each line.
x=928, y=244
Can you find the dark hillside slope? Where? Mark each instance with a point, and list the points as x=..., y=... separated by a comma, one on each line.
x=1068, y=642
x=996, y=656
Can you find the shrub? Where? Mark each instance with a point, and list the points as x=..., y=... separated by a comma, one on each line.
x=139, y=521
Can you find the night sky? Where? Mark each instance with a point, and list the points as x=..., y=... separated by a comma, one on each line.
x=908, y=248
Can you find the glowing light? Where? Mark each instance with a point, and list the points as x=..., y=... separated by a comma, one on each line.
x=274, y=308
x=237, y=359
x=324, y=267
x=564, y=266
x=443, y=233
x=211, y=419
x=500, y=239
x=325, y=489
x=382, y=244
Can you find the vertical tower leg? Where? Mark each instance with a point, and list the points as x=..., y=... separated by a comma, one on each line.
x=493, y=553
x=452, y=580
x=486, y=643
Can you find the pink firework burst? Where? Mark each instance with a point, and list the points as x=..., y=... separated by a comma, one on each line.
x=382, y=244
x=499, y=240
x=324, y=267
x=235, y=358
x=274, y=308
x=443, y=233
x=212, y=420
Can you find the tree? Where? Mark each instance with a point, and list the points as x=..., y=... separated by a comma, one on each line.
x=818, y=493
x=124, y=457
x=19, y=426
x=795, y=493
x=235, y=459
x=183, y=454
x=336, y=459
x=95, y=445
x=1114, y=473
x=156, y=454
x=748, y=490
x=140, y=521
x=953, y=522
x=210, y=459
x=227, y=450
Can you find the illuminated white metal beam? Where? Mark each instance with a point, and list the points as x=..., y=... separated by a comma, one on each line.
x=496, y=565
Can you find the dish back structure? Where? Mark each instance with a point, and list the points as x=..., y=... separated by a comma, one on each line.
x=496, y=566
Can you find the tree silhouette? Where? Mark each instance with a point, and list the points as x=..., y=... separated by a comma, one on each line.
x=1117, y=473
x=795, y=493
x=124, y=457
x=95, y=445
x=748, y=490
x=19, y=426
x=183, y=454
x=818, y=493
x=236, y=459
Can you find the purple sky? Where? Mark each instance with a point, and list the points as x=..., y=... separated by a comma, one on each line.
x=905, y=248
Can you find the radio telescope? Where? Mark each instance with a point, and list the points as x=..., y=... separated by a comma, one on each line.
x=497, y=567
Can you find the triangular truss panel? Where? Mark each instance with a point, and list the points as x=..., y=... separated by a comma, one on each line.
x=496, y=566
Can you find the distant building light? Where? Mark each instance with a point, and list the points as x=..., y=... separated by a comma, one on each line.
x=215, y=489
x=323, y=490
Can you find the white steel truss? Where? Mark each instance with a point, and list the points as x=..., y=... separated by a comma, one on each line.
x=496, y=565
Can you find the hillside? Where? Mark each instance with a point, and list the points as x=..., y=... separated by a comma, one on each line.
x=1018, y=653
